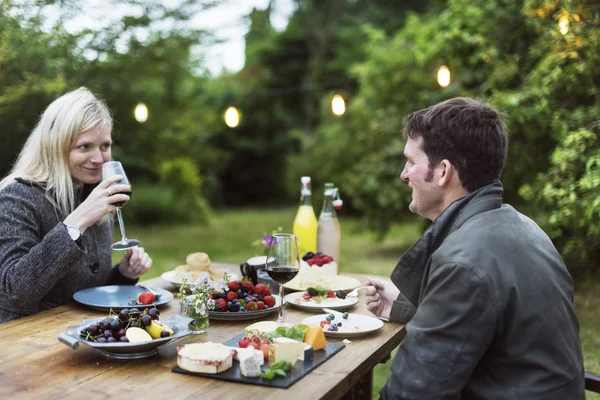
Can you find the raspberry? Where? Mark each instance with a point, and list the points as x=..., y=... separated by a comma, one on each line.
x=327, y=259
x=330, y=293
x=231, y=296
x=234, y=286
x=306, y=296
x=260, y=305
x=311, y=261
x=319, y=262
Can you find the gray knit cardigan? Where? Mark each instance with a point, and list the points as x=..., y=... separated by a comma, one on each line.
x=40, y=265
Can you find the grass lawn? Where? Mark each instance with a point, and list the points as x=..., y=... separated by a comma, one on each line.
x=230, y=236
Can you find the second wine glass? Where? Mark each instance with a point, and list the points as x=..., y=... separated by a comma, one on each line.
x=109, y=169
x=284, y=251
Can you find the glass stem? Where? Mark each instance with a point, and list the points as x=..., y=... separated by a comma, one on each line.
x=121, y=225
x=281, y=303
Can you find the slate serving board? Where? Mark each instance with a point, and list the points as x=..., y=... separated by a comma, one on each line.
x=297, y=372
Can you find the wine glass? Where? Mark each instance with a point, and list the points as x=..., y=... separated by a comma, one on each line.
x=284, y=250
x=109, y=169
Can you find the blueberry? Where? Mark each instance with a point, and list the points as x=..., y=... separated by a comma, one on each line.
x=310, y=254
x=332, y=316
x=229, y=304
x=234, y=301
x=339, y=324
x=319, y=253
x=242, y=309
x=332, y=328
x=266, y=307
x=240, y=293
x=345, y=315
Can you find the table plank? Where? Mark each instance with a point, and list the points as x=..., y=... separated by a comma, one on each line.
x=33, y=364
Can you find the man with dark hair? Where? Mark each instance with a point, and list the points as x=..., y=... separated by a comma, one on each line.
x=486, y=298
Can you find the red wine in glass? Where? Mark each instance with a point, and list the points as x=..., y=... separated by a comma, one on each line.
x=282, y=274
x=122, y=203
x=283, y=251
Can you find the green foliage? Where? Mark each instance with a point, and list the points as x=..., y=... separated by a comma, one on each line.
x=183, y=178
x=509, y=53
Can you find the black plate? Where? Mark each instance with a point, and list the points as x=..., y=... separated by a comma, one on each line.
x=117, y=297
x=297, y=372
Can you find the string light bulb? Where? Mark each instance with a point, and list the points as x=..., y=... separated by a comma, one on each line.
x=141, y=113
x=563, y=23
x=232, y=117
x=443, y=76
x=338, y=105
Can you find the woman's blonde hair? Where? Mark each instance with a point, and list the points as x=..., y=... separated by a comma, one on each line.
x=44, y=159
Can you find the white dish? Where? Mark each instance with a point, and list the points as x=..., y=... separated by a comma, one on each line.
x=176, y=279
x=244, y=316
x=338, y=282
x=355, y=325
x=296, y=299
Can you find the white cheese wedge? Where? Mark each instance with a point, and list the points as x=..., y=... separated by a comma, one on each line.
x=249, y=363
x=258, y=354
x=285, y=349
x=262, y=327
x=209, y=358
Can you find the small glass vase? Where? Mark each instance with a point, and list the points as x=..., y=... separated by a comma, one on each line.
x=199, y=323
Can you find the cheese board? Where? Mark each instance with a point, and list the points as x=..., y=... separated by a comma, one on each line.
x=297, y=372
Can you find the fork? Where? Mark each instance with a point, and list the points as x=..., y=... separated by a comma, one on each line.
x=354, y=293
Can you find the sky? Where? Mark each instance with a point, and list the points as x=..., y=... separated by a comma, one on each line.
x=226, y=21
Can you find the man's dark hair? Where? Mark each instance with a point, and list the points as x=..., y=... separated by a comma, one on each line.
x=467, y=132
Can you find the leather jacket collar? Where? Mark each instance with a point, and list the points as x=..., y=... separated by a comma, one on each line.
x=408, y=273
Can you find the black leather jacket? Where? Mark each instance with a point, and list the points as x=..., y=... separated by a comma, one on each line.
x=493, y=310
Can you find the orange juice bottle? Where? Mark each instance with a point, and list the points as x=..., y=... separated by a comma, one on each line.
x=305, y=224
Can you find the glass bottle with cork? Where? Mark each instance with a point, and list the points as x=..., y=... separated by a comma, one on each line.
x=329, y=233
x=305, y=223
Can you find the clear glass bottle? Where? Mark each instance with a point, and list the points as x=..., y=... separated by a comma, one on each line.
x=329, y=233
x=305, y=223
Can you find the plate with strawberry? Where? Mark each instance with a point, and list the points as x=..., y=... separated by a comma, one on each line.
x=117, y=297
x=315, y=298
x=244, y=301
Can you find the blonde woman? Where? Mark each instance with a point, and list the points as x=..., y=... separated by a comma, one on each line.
x=55, y=225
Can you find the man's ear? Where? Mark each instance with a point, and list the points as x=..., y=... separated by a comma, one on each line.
x=446, y=172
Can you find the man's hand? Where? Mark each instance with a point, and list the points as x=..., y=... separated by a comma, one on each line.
x=380, y=295
x=135, y=262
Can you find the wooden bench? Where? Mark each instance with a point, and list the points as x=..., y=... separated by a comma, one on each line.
x=592, y=382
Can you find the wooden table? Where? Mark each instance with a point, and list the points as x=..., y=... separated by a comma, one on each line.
x=34, y=364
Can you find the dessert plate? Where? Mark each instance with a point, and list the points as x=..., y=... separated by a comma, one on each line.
x=117, y=297
x=338, y=282
x=355, y=325
x=176, y=278
x=244, y=316
x=118, y=350
x=296, y=299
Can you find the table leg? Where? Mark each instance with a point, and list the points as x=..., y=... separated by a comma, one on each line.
x=362, y=389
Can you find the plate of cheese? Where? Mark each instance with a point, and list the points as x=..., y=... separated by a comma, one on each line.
x=227, y=361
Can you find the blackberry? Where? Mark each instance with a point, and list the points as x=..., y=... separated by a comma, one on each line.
x=341, y=294
x=312, y=291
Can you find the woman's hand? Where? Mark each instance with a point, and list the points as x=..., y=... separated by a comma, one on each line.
x=380, y=296
x=99, y=203
x=135, y=262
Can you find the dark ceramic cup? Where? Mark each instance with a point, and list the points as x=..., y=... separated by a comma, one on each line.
x=250, y=267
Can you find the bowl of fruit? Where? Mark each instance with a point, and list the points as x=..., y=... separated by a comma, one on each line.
x=242, y=301
x=127, y=334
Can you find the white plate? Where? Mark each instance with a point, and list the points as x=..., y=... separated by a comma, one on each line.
x=296, y=299
x=176, y=280
x=355, y=325
x=338, y=282
x=244, y=316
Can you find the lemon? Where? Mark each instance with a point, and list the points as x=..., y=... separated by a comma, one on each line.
x=156, y=328
x=136, y=335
